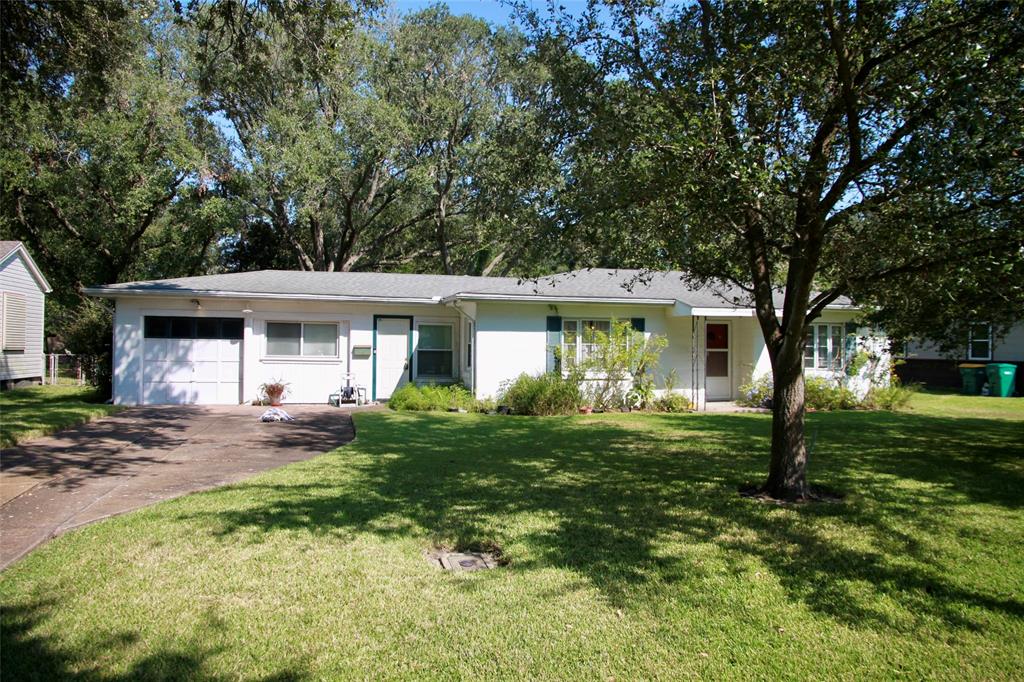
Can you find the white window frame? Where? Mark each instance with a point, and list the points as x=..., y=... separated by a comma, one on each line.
x=971, y=339
x=578, y=321
x=302, y=341
x=452, y=350
x=837, y=361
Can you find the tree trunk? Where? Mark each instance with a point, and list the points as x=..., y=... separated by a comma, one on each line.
x=787, y=472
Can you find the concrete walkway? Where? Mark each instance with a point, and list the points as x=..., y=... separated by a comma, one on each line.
x=143, y=455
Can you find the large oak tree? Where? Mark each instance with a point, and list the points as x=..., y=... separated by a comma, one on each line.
x=868, y=149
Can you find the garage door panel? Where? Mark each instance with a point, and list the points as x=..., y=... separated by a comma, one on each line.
x=209, y=393
x=228, y=393
x=168, y=371
x=229, y=372
x=167, y=393
x=216, y=349
x=206, y=370
x=162, y=350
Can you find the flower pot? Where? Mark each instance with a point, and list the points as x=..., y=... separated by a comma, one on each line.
x=275, y=402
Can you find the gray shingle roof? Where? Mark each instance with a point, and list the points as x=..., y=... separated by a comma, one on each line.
x=6, y=247
x=627, y=284
x=299, y=283
x=597, y=284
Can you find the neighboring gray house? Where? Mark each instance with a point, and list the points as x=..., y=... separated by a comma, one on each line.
x=924, y=363
x=22, y=293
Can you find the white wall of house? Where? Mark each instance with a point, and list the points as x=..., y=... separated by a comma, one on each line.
x=17, y=279
x=511, y=338
x=868, y=340
x=311, y=379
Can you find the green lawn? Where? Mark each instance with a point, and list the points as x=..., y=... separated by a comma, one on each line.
x=630, y=556
x=41, y=410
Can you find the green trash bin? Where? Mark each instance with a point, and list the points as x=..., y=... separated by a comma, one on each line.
x=1000, y=378
x=973, y=377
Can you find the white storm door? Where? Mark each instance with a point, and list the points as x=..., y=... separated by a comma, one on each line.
x=391, y=355
x=718, y=361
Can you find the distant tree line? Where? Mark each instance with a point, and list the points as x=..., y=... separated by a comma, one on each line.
x=145, y=141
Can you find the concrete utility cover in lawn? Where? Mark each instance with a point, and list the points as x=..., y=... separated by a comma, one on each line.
x=143, y=455
x=466, y=561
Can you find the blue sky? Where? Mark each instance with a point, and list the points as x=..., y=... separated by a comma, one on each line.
x=490, y=10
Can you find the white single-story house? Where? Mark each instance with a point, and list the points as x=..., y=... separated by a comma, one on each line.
x=217, y=338
x=23, y=292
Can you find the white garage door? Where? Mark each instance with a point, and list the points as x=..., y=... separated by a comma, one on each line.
x=192, y=360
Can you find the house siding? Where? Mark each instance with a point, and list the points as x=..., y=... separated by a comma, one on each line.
x=1007, y=348
x=15, y=277
x=924, y=363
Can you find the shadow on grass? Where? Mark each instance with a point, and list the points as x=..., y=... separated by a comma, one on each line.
x=610, y=497
x=27, y=656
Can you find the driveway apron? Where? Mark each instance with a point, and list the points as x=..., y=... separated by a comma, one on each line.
x=143, y=455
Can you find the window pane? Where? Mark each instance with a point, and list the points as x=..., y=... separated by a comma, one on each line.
x=320, y=340
x=569, y=331
x=979, y=347
x=207, y=328
x=283, y=338
x=718, y=363
x=593, y=329
x=435, y=337
x=182, y=328
x=434, y=363
x=837, y=346
x=809, y=349
x=718, y=336
x=158, y=327
x=231, y=328
x=822, y=345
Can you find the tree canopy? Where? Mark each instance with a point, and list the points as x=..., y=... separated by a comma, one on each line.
x=830, y=149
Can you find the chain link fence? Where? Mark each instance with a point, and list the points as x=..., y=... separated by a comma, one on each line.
x=65, y=369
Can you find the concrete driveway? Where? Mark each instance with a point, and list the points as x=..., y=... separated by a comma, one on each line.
x=143, y=455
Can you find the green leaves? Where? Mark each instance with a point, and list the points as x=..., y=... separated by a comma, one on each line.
x=836, y=146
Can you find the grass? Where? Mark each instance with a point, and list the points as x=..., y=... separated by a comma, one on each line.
x=631, y=556
x=41, y=410
x=948, y=404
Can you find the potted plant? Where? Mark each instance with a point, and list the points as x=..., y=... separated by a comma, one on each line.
x=274, y=391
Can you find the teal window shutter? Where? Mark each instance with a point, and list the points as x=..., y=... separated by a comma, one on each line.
x=638, y=323
x=554, y=341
